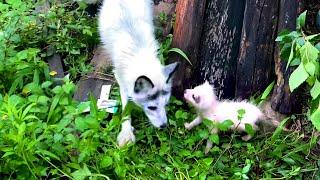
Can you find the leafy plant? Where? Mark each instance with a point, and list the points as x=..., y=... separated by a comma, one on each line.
x=61, y=28
x=302, y=52
x=165, y=49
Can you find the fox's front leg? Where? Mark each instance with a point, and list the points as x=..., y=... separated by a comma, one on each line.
x=209, y=143
x=126, y=134
x=193, y=123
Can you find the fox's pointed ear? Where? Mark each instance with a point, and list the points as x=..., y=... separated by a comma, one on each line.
x=169, y=70
x=143, y=84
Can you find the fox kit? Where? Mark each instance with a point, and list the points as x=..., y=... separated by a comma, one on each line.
x=205, y=102
x=126, y=31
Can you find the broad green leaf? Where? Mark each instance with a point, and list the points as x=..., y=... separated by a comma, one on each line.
x=300, y=42
x=310, y=68
x=214, y=138
x=289, y=160
x=317, y=46
x=241, y=113
x=68, y=87
x=82, y=173
x=106, y=162
x=43, y=100
x=308, y=53
x=315, y=118
x=311, y=80
x=225, y=125
x=203, y=176
x=295, y=62
x=46, y=84
x=179, y=51
x=244, y=176
x=57, y=90
x=246, y=169
x=204, y=133
x=208, y=161
x=298, y=76
x=315, y=91
x=81, y=123
x=249, y=129
x=301, y=20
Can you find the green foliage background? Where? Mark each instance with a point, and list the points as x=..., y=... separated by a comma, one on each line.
x=44, y=133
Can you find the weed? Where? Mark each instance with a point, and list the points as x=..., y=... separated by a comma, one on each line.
x=302, y=51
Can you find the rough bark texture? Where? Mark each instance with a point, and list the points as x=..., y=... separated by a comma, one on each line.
x=189, y=17
x=255, y=61
x=282, y=100
x=220, y=45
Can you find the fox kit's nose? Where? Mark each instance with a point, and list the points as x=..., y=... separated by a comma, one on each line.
x=162, y=126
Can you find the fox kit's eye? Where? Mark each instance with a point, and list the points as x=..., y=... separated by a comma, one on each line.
x=196, y=98
x=152, y=108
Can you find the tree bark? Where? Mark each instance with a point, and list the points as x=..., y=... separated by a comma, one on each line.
x=255, y=61
x=186, y=36
x=282, y=99
x=220, y=45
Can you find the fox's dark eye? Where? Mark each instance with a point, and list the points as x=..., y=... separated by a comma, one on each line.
x=196, y=98
x=152, y=108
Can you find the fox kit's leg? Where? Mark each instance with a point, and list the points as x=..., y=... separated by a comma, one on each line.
x=209, y=143
x=194, y=123
x=126, y=134
x=248, y=137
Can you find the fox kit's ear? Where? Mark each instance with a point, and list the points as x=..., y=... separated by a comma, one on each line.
x=169, y=70
x=143, y=84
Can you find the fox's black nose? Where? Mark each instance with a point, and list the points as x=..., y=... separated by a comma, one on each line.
x=163, y=126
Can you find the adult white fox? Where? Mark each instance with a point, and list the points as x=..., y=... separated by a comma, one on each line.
x=127, y=33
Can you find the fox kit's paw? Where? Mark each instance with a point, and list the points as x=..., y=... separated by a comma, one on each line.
x=246, y=137
x=188, y=126
x=126, y=135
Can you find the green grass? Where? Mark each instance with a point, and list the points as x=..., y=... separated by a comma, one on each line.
x=78, y=145
x=44, y=133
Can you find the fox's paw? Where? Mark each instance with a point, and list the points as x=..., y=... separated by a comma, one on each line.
x=246, y=137
x=188, y=126
x=125, y=136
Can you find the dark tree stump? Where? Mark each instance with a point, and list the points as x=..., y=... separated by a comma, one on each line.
x=187, y=33
x=282, y=99
x=255, y=62
x=220, y=45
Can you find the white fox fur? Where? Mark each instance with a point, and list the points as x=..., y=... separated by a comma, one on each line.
x=205, y=102
x=126, y=30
